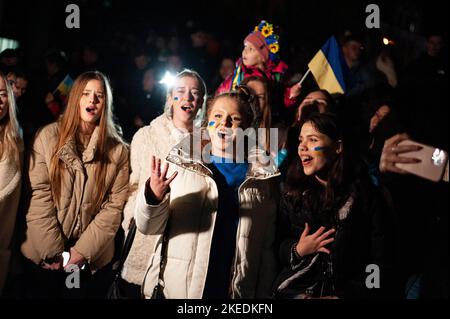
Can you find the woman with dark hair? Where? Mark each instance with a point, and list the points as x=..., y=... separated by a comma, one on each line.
x=331, y=218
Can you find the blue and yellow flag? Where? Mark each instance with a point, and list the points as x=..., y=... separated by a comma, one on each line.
x=329, y=68
x=65, y=86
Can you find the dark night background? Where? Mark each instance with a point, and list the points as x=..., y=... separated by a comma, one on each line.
x=121, y=32
x=38, y=25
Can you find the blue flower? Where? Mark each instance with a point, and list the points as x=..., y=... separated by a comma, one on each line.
x=273, y=56
x=271, y=39
x=261, y=25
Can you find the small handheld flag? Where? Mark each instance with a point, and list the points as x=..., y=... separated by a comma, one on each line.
x=64, y=88
x=329, y=68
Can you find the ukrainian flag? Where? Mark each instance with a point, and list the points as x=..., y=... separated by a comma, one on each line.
x=65, y=86
x=329, y=68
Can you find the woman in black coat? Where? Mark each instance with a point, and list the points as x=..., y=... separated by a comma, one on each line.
x=333, y=220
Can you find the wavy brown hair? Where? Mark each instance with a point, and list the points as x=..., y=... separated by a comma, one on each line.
x=69, y=125
x=343, y=172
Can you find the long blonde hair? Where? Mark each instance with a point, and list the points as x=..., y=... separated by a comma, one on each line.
x=69, y=124
x=11, y=144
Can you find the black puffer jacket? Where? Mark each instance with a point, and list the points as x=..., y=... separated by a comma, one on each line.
x=362, y=237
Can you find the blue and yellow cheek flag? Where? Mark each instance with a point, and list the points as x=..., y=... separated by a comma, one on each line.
x=329, y=68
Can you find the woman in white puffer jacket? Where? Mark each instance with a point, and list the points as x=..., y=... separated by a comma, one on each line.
x=157, y=139
x=219, y=218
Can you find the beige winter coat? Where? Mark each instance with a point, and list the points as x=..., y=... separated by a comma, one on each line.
x=156, y=139
x=191, y=207
x=10, y=184
x=52, y=222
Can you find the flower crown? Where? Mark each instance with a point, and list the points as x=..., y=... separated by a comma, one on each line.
x=271, y=38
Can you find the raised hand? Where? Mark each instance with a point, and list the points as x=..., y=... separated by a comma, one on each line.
x=295, y=91
x=311, y=244
x=391, y=151
x=158, y=183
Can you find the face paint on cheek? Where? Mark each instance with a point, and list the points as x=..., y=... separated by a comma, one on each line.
x=320, y=150
x=211, y=125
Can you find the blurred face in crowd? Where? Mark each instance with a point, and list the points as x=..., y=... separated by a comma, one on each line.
x=52, y=68
x=19, y=87
x=174, y=44
x=92, y=102
x=160, y=43
x=226, y=68
x=434, y=45
x=186, y=98
x=251, y=56
x=316, y=150
x=148, y=82
x=90, y=57
x=224, y=119
x=352, y=51
x=174, y=63
x=4, y=104
x=199, y=39
x=11, y=77
x=141, y=61
x=260, y=92
x=316, y=97
x=10, y=61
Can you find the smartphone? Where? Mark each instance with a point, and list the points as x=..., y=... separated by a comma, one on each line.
x=434, y=161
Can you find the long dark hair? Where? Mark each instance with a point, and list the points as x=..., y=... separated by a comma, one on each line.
x=342, y=173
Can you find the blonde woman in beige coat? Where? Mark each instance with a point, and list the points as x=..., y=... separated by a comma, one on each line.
x=184, y=102
x=219, y=218
x=78, y=176
x=11, y=149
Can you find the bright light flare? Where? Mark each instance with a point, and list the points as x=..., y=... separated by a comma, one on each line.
x=168, y=79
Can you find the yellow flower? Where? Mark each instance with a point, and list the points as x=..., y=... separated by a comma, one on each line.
x=274, y=48
x=267, y=31
x=256, y=28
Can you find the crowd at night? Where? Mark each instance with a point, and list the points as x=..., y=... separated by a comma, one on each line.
x=343, y=193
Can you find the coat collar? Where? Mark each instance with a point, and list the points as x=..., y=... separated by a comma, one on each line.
x=260, y=167
x=69, y=155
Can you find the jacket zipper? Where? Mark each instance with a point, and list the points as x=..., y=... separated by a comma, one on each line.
x=80, y=203
x=234, y=262
x=236, y=251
